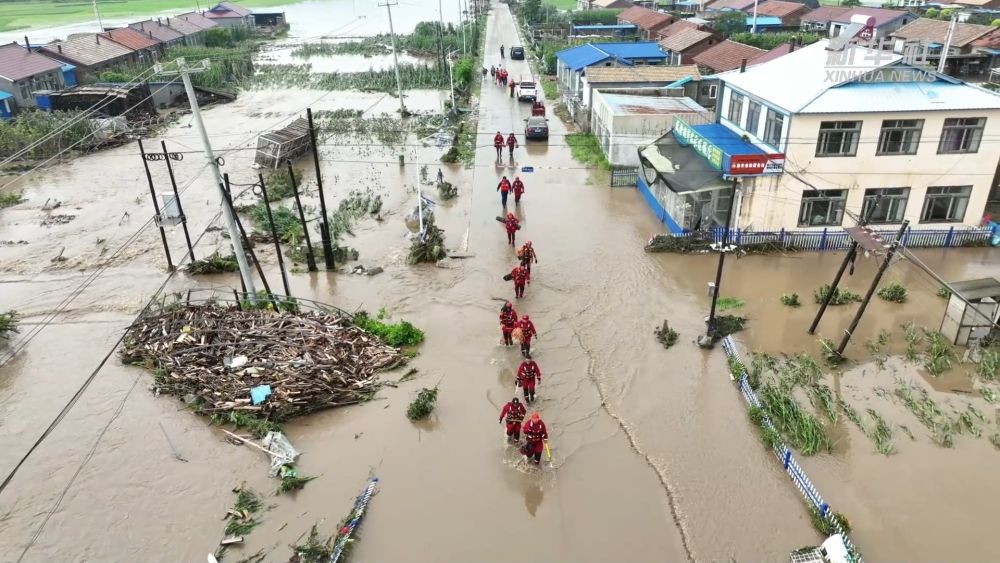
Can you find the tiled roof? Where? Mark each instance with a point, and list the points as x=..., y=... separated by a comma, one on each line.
x=684, y=39
x=730, y=4
x=936, y=31
x=197, y=19
x=16, y=62
x=779, y=51
x=157, y=31
x=227, y=10
x=87, y=49
x=645, y=18
x=779, y=8
x=677, y=27
x=131, y=38
x=989, y=41
x=601, y=74
x=612, y=4
x=182, y=26
x=726, y=55
x=825, y=14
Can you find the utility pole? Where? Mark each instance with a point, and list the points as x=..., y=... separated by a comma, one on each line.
x=451, y=79
x=852, y=253
x=395, y=59
x=324, y=222
x=753, y=26
x=274, y=234
x=97, y=12
x=227, y=213
x=156, y=208
x=461, y=22
x=167, y=157
x=441, y=34
x=947, y=43
x=709, y=339
x=871, y=289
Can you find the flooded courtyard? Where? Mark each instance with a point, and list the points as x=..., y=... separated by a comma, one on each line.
x=652, y=452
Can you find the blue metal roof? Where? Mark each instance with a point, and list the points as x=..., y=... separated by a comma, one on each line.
x=992, y=51
x=582, y=56
x=680, y=82
x=68, y=66
x=622, y=26
x=765, y=21
x=5, y=95
x=727, y=140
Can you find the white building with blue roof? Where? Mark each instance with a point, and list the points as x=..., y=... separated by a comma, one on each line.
x=817, y=138
x=572, y=63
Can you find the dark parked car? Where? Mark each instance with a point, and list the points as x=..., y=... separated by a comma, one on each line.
x=536, y=127
x=517, y=53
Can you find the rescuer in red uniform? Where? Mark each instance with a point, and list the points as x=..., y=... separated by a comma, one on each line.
x=518, y=189
x=535, y=436
x=498, y=144
x=527, y=329
x=511, y=144
x=514, y=413
x=504, y=188
x=520, y=277
x=511, y=224
x=528, y=374
x=508, y=321
x=526, y=254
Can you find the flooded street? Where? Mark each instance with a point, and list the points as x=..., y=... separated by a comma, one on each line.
x=653, y=455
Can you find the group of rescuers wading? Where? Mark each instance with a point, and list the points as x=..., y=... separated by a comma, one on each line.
x=512, y=327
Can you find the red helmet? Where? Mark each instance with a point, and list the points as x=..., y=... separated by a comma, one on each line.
x=510, y=216
x=525, y=317
x=535, y=417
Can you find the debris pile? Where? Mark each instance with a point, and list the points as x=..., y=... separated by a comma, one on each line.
x=228, y=361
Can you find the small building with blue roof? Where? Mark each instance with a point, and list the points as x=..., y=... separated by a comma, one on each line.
x=571, y=63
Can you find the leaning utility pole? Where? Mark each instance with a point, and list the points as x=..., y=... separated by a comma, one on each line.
x=395, y=59
x=709, y=339
x=227, y=213
x=753, y=27
x=441, y=36
x=461, y=22
x=97, y=12
x=947, y=43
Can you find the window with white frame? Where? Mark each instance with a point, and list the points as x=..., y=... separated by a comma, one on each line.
x=822, y=208
x=961, y=135
x=885, y=205
x=735, y=107
x=945, y=204
x=838, y=138
x=899, y=136
x=774, y=123
x=753, y=116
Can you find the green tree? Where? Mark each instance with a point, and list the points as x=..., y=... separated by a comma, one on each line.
x=531, y=9
x=851, y=3
x=768, y=41
x=995, y=23
x=729, y=23
x=218, y=37
x=981, y=19
x=932, y=13
x=946, y=14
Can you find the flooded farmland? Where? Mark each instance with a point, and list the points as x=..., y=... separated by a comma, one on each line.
x=652, y=451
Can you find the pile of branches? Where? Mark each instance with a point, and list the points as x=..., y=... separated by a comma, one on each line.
x=213, y=355
x=430, y=247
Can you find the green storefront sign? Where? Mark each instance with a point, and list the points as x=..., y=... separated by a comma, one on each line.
x=685, y=134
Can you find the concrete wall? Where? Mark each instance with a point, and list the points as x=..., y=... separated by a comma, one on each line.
x=621, y=136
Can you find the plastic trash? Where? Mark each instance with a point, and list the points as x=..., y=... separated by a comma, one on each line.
x=259, y=394
x=235, y=362
x=282, y=451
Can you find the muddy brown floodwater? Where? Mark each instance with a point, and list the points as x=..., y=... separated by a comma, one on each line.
x=653, y=457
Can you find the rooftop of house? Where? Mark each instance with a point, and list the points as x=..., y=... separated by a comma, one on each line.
x=727, y=55
x=842, y=14
x=645, y=18
x=198, y=19
x=798, y=82
x=227, y=10
x=719, y=5
x=132, y=39
x=684, y=39
x=609, y=74
x=157, y=30
x=677, y=27
x=182, y=26
x=631, y=104
x=88, y=50
x=779, y=51
x=610, y=3
x=17, y=63
x=582, y=56
x=766, y=21
x=779, y=8
x=936, y=31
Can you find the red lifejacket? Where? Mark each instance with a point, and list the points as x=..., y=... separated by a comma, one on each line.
x=514, y=412
x=504, y=185
x=535, y=431
x=498, y=140
x=512, y=224
x=511, y=140
x=508, y=319
x=520, y=275
x=518, y=186
x=529, y=372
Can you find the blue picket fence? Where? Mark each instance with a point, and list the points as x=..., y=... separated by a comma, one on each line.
x=837, y=239
x=784, y=453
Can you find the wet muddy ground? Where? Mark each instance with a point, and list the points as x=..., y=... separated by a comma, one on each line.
x=652, y=452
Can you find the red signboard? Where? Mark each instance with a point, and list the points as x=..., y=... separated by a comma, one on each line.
x=756, y=164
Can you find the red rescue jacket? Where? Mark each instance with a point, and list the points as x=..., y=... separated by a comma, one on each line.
x=512, y=224
x=498, y=140
x=508, y=319
x=504, y=185
x=513, y=412
x=535, y=431
x=518, y=186
x=529, y=373
x=520, y=276
x=511, y=140
x=527, y=254
x=527, y=327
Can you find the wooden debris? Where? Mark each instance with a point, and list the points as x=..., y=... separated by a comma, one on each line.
x=311, y=360
x=232, y=540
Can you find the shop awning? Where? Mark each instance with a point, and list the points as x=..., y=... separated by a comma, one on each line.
x=681, y=168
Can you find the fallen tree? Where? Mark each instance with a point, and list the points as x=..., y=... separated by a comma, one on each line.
x=213, y=356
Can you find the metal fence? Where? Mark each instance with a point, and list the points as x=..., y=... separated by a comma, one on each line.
x=837, y=239
x=624, y=176
x=784, y=453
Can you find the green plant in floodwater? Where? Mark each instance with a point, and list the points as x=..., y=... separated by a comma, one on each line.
x=989, y=363
x=727, y=303
x=852, y=414
x=668, y=336
x=286, y=222
x=314, y=550
x=824, y=400
x=829, y=352
x=259, y=427
x=927, y=412
x=423, y=405
x=940, y=354
x=759, y=363
x=728, y=324
x=881, y=434
x=241, y=517
x=943, y=292
x=995, y=440
x=356, y=205
x=768, y=435
x=586, y=149
x=736, y=367
x=447, y=191
x=894, y=292
x=8, y=324
x=265, y=302
x=989, y=395
x=833, y=523
x=10, y=199
x=913, y=338
x=790, y=299
x=840, y=297
x=293, y=483
x=799, y=428
x=214, y=263
x=394, y=334
x=966, y=422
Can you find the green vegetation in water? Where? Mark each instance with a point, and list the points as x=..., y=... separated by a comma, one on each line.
x=876, y=346
x=423, y=42
x=230, y=65
x=840, y=297
x=940, y=354
x=801, y=429
x=10, y=199
x=894, y=293
x=463, y=144
x=776, y=381
x=259, y=427
x=60, y=129
x=768, y=41
x=585, y=148
x=447, y=191
x=824, y=401
x=727, y=303
x=293, y=482
x=770, y=438
x=394, y=334
x=214, y=263
x=852, y=414
x=423, y=405
x=989, y=362
x=422, y=77
x=241, y=518
x=995, y=440
x=943, y=292
x=8, y=324
x=913, y=338
x=287, y=224
x=279, y=184
x=265, y=302
x=350, y=125
x=881, y=434
x=356, y=205
x=790, y=299
x=989, y=395
x=829, y=352
x=728, y=324
x=667, y=336
x=314, y=550
x=927, y=412
x=430, y=247
x=829, y=526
